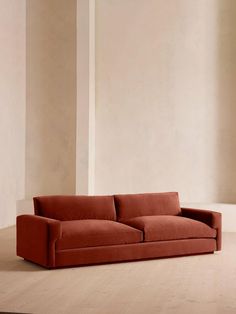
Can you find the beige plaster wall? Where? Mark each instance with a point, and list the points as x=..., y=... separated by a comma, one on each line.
x=165, y=98
x=51, y=97
x=12, y=108
x=226, y=102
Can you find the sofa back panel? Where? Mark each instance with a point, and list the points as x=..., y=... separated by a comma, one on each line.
x=73, y=207
x=148, y=204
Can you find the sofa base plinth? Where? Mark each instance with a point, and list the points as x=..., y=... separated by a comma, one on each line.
x=132, y=252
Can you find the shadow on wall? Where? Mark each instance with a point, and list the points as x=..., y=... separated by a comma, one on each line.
x=226, y=100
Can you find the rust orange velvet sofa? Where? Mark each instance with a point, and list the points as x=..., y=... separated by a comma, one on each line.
x=83, y=230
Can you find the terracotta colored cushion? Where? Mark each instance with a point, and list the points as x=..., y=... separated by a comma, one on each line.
x=87, y=233
x=135, y=205
x=75, y=207
x=161, y=228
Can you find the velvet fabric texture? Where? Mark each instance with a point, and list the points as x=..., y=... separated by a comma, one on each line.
x=162, y=228
x=132, y=252
x=209, y=217
x=148, y=204
x=92, y=232
x=83, y=230
x=36, y=238
x=75, y=207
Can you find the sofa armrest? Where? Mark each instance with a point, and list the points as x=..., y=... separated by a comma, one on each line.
x=36, y=237
x=211, y=218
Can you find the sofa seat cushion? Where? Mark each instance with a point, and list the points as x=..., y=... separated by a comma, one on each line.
x=93, y=232
x=161, y=228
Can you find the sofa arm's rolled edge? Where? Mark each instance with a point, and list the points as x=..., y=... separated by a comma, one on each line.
x=212, y=218
x=36, y=238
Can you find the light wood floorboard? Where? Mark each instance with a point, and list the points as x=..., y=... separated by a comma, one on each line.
x=192, y=285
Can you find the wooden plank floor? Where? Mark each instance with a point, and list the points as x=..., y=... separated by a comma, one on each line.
x=194, y=284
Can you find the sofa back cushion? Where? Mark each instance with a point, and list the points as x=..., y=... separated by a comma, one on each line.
x=75, y=207
x=148, y=204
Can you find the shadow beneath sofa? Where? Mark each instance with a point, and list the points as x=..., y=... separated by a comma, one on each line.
x=18, y=264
